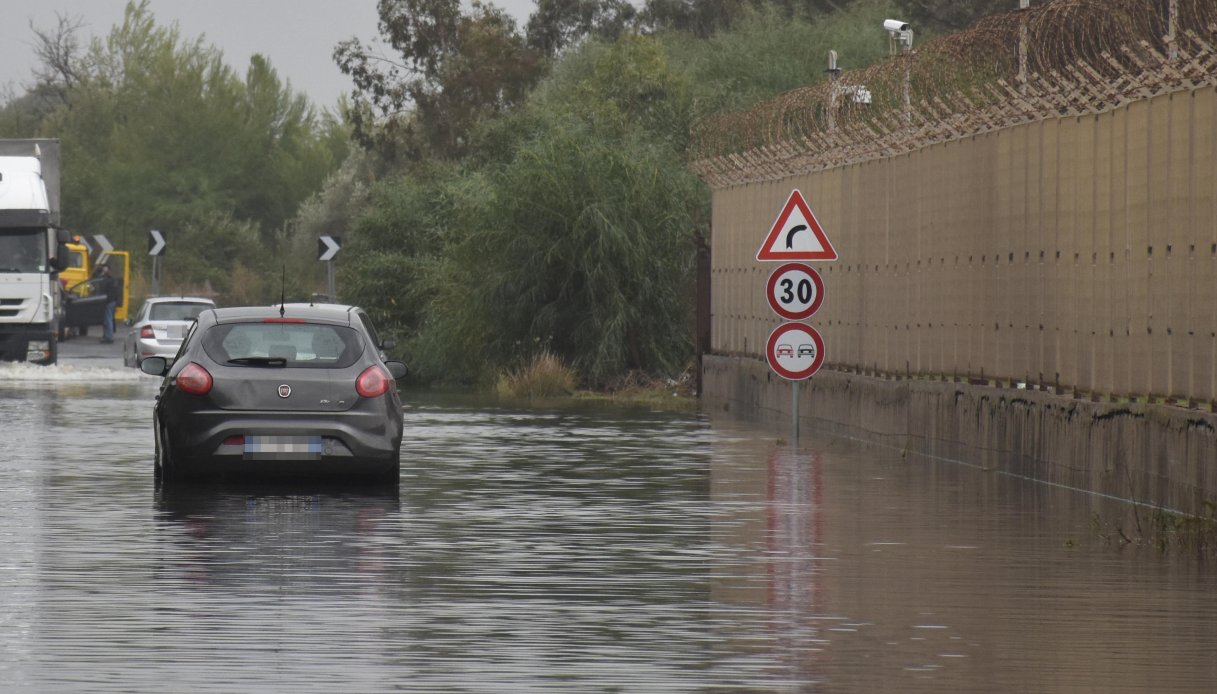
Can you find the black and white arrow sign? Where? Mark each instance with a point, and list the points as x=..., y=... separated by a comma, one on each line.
x=327, y=247
x=156, y=243
x=102, y=242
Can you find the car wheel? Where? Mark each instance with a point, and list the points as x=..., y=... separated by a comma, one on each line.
x=156, y=449
x=166, y=471
x=392, y=473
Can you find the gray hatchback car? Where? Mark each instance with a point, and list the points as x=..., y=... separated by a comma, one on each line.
x=292, y=390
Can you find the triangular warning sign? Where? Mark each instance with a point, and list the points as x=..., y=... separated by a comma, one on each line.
x=796, y=235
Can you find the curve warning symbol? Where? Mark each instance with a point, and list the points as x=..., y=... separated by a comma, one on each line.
x=796, y=234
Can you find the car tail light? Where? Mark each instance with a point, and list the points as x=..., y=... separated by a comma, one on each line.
x=373, y=381
x=146, y=333
x=194, y=379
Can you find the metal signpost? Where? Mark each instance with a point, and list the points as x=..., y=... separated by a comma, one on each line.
x=327, y=248
x=795, y=351
x=156, y=249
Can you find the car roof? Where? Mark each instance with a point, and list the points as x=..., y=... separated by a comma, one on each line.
x=179, y=299
x=327, y=313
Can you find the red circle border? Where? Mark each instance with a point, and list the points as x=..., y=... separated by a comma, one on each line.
x=771, y=354
x=771, y=296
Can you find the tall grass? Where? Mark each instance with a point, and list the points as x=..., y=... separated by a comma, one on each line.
x=546, y=376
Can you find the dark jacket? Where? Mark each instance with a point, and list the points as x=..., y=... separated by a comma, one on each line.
x=108, y=286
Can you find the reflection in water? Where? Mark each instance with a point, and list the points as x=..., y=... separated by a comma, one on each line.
x=582, y=548
x=297, y=530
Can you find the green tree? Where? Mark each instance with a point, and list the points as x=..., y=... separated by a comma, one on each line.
x=569, y=225
x=450, y=71
x=702, y=18
x=159, y=133
x=576, y=238
x=587, y=251
x=558, y=24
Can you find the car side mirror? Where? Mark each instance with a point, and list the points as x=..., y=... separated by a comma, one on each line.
x=397, y=369
x=156, y=366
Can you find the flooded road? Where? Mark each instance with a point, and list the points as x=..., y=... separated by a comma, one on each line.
x=565, y=549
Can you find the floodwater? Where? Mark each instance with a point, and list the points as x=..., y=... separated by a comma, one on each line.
x=584, y=548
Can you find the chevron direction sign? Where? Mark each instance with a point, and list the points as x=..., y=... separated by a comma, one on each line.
x=328, y=247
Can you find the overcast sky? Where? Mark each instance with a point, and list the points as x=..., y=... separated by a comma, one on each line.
x=297, y=35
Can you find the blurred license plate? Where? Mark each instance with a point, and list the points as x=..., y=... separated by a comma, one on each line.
x=282, y=447
x=175, y=332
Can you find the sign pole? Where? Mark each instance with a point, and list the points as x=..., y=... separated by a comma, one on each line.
x=794, y=409
x=156, y=248
x=795, y=351
x=327, y=248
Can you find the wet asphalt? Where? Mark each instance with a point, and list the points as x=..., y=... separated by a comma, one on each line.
x=89, y=350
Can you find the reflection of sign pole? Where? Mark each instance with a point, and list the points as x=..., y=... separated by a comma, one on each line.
x=327, y=248
x=156, y=249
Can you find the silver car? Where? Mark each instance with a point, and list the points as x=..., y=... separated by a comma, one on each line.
x=284, y=391
x=158, y=328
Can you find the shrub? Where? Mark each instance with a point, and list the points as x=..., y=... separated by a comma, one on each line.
x=546, y=376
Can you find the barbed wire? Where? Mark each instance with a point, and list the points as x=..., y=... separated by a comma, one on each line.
x=1061, y=58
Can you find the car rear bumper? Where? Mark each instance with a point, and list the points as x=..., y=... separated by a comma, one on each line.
x=352, y=443
x=153, y=348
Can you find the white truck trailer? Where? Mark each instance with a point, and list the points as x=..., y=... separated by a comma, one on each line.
x=32, y=251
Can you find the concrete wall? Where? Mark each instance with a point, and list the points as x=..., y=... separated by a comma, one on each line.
x=1039, y=299
x=1157, y=454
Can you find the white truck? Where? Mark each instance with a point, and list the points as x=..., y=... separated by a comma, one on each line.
x=32, y=251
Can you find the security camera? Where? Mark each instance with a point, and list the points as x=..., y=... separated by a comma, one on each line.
x=895, y=25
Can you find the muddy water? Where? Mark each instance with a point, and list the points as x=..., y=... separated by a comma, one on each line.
x=578, y=548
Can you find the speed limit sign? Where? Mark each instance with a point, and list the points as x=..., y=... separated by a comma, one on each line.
x=795, y=291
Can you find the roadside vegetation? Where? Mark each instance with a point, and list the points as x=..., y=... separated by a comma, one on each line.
x=157, y=132
x=546, y=376
x=514, y=201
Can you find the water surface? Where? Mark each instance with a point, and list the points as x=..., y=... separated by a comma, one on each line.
x=577, y=548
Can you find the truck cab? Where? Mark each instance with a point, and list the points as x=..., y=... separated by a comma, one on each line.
x=32, y=251
x=77, y=269
x=85, y=305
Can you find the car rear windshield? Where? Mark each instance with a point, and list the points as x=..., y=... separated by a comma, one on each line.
x=308, y=345
x=177, y=310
